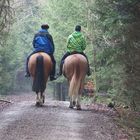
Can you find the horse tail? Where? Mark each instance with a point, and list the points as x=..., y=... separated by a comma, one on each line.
x=75, y=82
x=39, y=80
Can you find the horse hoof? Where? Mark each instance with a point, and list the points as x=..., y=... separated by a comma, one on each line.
x=78, y=108
x=38, y=104
x=43, y=99
x=71, y=107
x=74, y=103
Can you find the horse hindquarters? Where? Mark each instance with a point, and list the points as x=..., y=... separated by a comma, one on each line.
x=75, y=68
x=39, y=80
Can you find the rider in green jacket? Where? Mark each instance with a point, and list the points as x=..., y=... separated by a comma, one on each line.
x=76, y=44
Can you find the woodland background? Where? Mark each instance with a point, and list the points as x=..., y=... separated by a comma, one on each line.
x=112, y=31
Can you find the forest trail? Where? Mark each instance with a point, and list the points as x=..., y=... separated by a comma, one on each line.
x=55, y=121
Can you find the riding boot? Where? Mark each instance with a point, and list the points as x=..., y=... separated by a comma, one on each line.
x=27, y=74
x=61, y=66
x=52, y=74
x=88, y=71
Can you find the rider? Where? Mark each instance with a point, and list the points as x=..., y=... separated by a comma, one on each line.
x=43, y=42
x=76, y=44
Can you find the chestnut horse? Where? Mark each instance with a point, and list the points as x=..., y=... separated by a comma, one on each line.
x=40, y=66
x=75, y=69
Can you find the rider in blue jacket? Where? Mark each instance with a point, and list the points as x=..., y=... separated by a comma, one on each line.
x=43, y=42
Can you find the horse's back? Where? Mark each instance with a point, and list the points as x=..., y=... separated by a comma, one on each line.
x=46, y=62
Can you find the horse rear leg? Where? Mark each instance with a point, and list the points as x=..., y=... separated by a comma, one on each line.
x=76, y=101
x=37, y=99
x=71, y=103
x=40, y=99
x=78, y=105
x=43, y=98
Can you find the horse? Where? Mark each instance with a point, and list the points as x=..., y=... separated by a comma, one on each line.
x=74, y=69
x=40, y=66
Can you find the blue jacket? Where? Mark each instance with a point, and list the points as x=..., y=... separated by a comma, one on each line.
x=43, y=41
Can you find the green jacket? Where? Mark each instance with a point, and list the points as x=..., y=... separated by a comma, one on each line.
x=76, y=42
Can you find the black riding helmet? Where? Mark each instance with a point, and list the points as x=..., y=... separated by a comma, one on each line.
x=45, y=26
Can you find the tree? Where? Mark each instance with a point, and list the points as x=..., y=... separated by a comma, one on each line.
x=116, y=25
x=6, y=13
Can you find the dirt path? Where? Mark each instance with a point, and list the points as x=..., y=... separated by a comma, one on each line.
x=55, y=121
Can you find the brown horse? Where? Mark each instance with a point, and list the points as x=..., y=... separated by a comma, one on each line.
x=75, y=69
x=40, y=66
